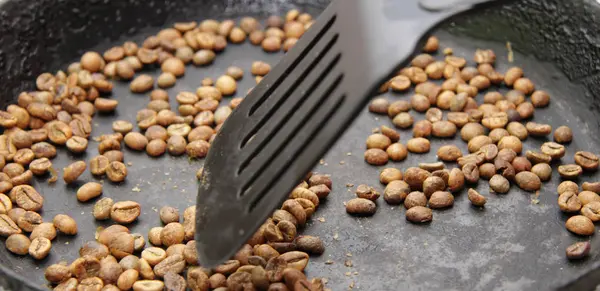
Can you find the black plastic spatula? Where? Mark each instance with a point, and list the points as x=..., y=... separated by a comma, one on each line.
x=296, y=113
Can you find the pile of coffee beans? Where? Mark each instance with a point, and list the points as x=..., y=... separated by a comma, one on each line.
x=59, y=114
x=445, y=91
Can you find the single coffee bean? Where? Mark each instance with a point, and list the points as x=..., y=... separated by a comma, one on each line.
x=393, y=135
x=18, y=244
x=591, y=186
x=142, y=83
x=121, y=245
x=395, y=152
x=73, y=171
x=476, y=158
x=568, y=186
x=543, y=171
x=94, y=249
x=497, y=134
x=538, y=129
x=89, y=191
x=395, y=192
x=487, y=170
x=56, y=273
x=173, y=233
x=403, y=120
x=127, y=278
x=40, y=248
x=422, y=128
x=578, y=250
x=563, y=134
x=378, y=141
x=587, y=197
x=418, y=145
x=376, y=157
x=310, y=244
x=116, y=172
x=432, y=166
x=449, y=153
x=148, y=285
x=102, y=208
x=5, y=204
x=125, y=212
x=521, y=164
x=441, y=199
x=415, y=177
x=588, y=161
x=592, y=211
x=360, y=206
x=456, y=180
x=367, y=192
x=507, y=155
x=295, y=259
x=476, y=198
x=65, y=224
x=29, y=221
x=495, y=120
x=154, y=255
x=377, y=105
x=419, y=214
x=433, y=184
x=169, y=214
x=443, y=129
x=528, y=181
x=106, y=235
x=388, y=175
x=414, y=199
x=8, y=226
x=569, y=202
x=40, y=166
x=537, y=157
x=40, y=149
x=27, y=197
x=174, y=282
x=511, y=142
x=471, y=172
x=580, y=225
x=228, y=267
x=499, y=184
x=570, y=171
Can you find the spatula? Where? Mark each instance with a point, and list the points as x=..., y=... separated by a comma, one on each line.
x=296, y=113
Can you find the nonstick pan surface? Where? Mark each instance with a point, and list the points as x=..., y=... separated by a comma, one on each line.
x=513, y=244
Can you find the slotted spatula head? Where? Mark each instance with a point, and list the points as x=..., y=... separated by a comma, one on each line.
x=296, y=113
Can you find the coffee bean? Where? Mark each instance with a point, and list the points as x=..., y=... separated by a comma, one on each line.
x=587, y=197
x=419, y=214
x=40, y=149
x=471, y=172
x=56, y=273
x=176, y=145
x=29, y=221
x=403, y=120
x=456, y=180
x=125, y=212
x=296, y=259
x=588, y=161
x=27, y=197
x=18, y=244
x=499, y=184
x=476, y=158
x=459, y=119
x=578, y=251
x=142, y=83
x=102, y=208
x=443, y=129
x=378, y=141
x=172, y=233
x=538, y=129
x=487, y=170
x=570, y=171
x=40, y=248
x=441, y=199
x=580, y=225
x=433, y=184
x=528, y=181
x=300, y=192
x=543, y=171
x=495, y=120
x=73, y=171
x=116, y=172
x=395, y=152
x=414, y=199
x=89, y=191
x=154, y=255
x=521, y=164
x=197, y=279
x=5, y=204
x=507, y=155
x=476, y=198
x=536, y=157
x=590, y=186
x=94, y=249
x=449, y=153
x=418, y=145
x=592, y=211
x=8, y=226
x=121, y=245
x=563, y=134
x=376, y=157
x=395, y=192
x=388, y=175
x=511, y=142
x=169, y=214
x=377, y=105
x=148, y=285
x=310, y=244
x=174, y=282
x=415, y=177
x=360, y=206
x=422, y=128
x=65, y=224
x=367, y=192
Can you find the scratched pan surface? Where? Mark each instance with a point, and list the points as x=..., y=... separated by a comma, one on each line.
x=512, y=244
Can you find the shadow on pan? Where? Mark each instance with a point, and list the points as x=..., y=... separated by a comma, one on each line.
x=512, y=245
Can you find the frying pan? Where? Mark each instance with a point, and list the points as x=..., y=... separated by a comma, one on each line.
x=513, y=244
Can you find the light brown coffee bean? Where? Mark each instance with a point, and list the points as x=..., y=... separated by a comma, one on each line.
x=568, y=186
x=415, y=177
x=563, y=134
x=27, y=197
x=543, y=171
x=570, y=171
x=40, y=248
x=590, y=186
x=511, y=142
x=173, y=233
x=587, y=160
x=414, y=199
x=419, y=214
x=360, y=206
x=471, y=130
x=449, y=153
x=433, y=184
x=378, y=141
x=521, y=164
x=18, y=244
x=367, y=192
x=528, y=181
x=403, y=120
x=538, y=129
x=569, y=202
x=125, y=212
x=388, y=175
x=141, y=83
x=499, y=184
x=580, y=225
x=56, y=273
x=89, y=191
x=310, y=244
x=418, y=145
x=395, y=192
x=395, y=152
x=121, y=245
x=441, y=199
x=587, y=197
x=127, y=279
x=73, y=171
x=8, y=226
x=116, y=172
x=554, y=150
x=376, y=157
x=102, y=208
x=65, y=224
x=99, y=165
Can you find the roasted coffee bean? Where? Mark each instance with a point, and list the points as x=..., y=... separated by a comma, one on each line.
x=528, y=181
x=419, y=214
x=121, y=244
x=40, y=149
x=367, y=192
x=422, y=128
x=441, y=199
x=403, y=120
x=378, y=141
x=495, y=120
x=433, y=184
x=554, y=150
x=587, y=197
x=478, y=142
x=592, y=211
x=414, y=199
x=389, y=174
x=197, y=279
x=13, y=169
x=588, y=161
x=40, y=248
x=580, y=225
x=174, y=282
x=148, y=285
x=125, y=211
x=29, y=221
x=511, y=142
x=568, y=186
x=543, y=171
x=127, y=278
x=434, y=115
x=378, y=105
x=471, y=172
x=569, y=202
x=360, y=206
x=8, y=226
x=376, y=157
x=5, y=204
x=73, y=171
x=395, y=152
x=418, y=145
x=65, y=224
x=449, y=153
x=570, y=171
x=102, y=208
x=578, y=250
x=538, y=129
x=456, y=180
x=521, y=164
x=18, y=244
x=56, y=273
x=591, y=186
x=471, y=130
x=395, y=192
x=142, y=83
x=443, y=129
x=154, y=255
x=563, y=134
x=432, y=166
x=477, y=158
x=537, y=157
x=89, y=191
x=476, y=198
x=499, y=184
x=116, y=172
x=27, y=197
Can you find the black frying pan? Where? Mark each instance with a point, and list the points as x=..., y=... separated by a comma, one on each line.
x=511, y=245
